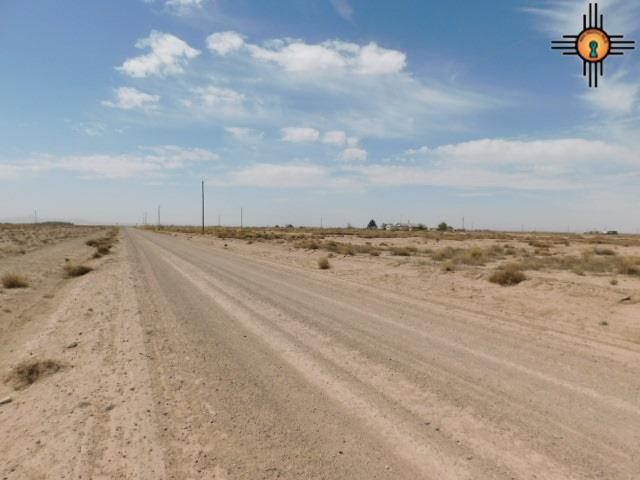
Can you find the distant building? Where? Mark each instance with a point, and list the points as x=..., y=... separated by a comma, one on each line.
x=398, y=226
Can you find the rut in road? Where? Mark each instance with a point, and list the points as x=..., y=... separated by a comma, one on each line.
x=427, y=393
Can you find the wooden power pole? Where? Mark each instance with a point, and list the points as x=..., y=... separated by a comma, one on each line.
x=203, y=207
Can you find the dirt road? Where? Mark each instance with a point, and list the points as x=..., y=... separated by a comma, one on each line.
x=237, y=368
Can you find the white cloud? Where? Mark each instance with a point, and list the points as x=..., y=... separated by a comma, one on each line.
x=353, y=155
x=128, y=98
x=212, y=95
x=93, y=129
x=280, y=176
x=245, y=134
x=564, y=17
x=513, y=164
x=542, y=155
x=343, y=8
x=331, y=56
x=224, y=43
x=335, y=137
x=615, y=95
x=184, y=3
x=300, y=134
x=149, y=163
x=180, y=7
x=418, y=151
x=291, y=82
x=374, y=60
x=168, y=56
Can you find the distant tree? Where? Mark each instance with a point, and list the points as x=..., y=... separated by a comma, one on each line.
x=443, y=227
x=420, y=226
x=372, y=225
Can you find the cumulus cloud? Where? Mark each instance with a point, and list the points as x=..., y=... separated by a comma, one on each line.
x=293, y=82
x=128, y=98
x=300, y=134
x=353, y=155
x=168, y=55
x=330, y=56
x=224, y=43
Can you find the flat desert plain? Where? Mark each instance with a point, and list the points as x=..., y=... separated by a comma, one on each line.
x=319, y=354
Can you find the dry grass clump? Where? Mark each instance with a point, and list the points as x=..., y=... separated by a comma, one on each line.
x=14, y=280
x=29, y=372
x=508, y=275
x=77, y=270
x=604, y=251
x=539, y=244
x=323, y=263
x=629, y=265
x=402, y=251
x=469, y=256
x=588, y=262
x=104, y=244
x=449, y=266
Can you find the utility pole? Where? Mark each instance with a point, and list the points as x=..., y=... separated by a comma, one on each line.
x=35, y=216
x=462, y=223
x=219, y=216
x=203, y=207
x=158, y=215
x=241, y=217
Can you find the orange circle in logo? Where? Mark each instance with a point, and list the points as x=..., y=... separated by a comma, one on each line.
x=593, y=45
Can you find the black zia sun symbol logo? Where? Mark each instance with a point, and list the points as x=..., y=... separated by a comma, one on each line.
x=593, y=45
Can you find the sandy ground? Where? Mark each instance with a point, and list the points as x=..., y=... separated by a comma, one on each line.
x=21, y=239
x=185, y=359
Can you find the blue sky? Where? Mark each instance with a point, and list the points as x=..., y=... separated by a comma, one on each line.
x=299, y=109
